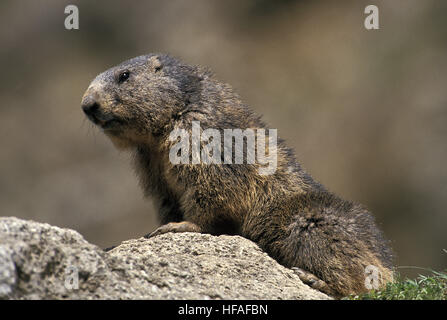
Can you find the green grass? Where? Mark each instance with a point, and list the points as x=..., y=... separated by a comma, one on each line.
x=431, y=287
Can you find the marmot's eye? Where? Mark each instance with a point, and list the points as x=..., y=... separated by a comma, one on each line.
x=123, y=76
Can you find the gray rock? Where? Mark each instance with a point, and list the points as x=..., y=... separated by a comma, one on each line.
x=39, y=261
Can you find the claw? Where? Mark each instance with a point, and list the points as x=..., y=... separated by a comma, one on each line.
x=184, y=226
x=312, y=281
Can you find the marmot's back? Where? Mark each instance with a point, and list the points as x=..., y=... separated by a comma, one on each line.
x=155, y=105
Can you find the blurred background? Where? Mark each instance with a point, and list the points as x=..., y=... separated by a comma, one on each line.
x=365, y=110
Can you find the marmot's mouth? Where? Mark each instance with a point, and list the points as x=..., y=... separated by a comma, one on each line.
x=105, y=124
x=112, y=124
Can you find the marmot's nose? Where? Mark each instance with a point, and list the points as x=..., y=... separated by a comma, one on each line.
x=89, y=105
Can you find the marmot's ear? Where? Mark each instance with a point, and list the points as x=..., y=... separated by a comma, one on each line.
x=154, y=63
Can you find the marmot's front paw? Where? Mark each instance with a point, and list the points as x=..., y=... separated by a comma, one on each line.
x=184, y=226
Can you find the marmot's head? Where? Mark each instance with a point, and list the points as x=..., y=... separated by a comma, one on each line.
x=139, y=98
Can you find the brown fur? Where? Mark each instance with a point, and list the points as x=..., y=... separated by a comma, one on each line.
x=292, y=217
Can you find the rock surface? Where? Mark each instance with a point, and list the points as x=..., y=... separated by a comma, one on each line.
x=39, y=261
